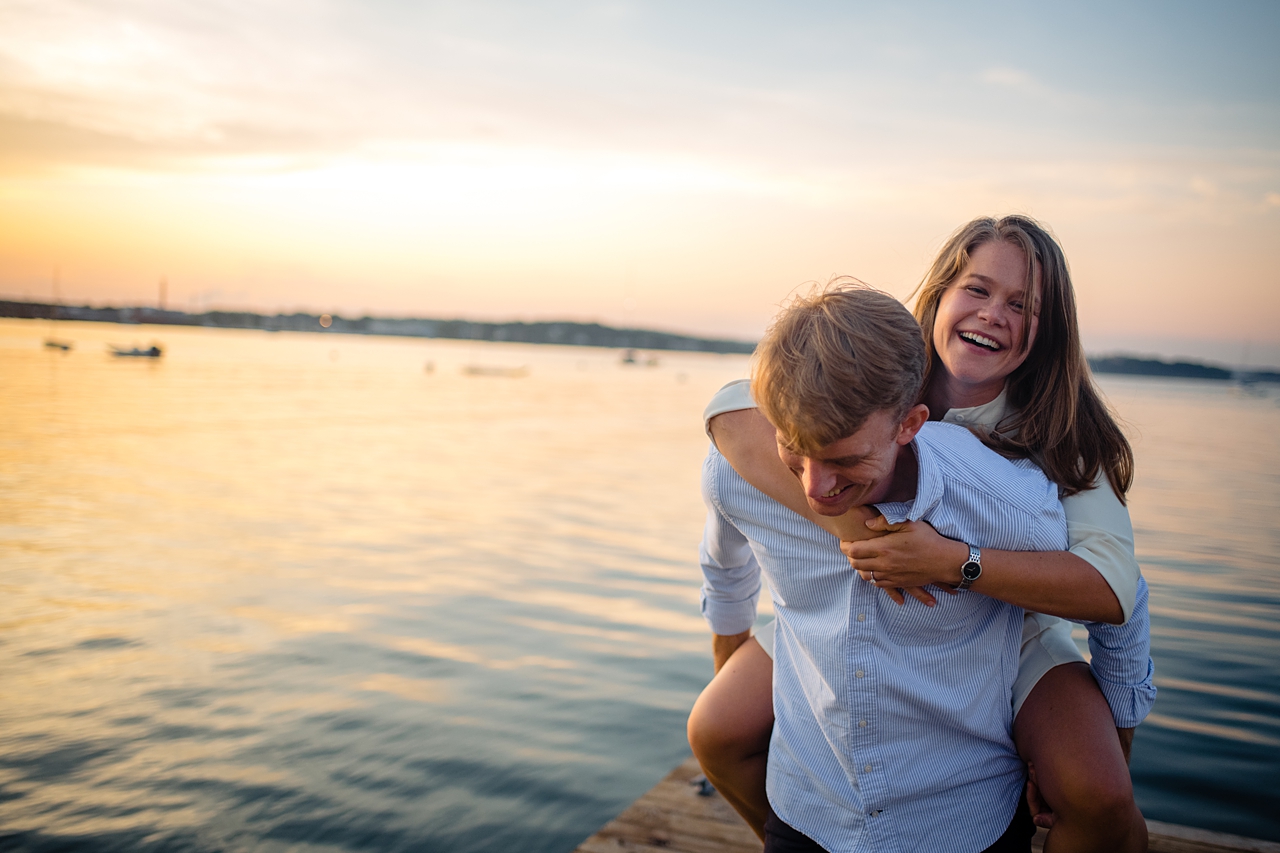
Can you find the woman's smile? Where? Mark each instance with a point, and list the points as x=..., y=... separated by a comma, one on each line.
x=981, y=341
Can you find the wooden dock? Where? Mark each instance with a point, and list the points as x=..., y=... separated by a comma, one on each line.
x=674, y=818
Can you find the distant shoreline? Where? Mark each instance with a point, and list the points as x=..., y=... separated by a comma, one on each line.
x=563, y=333
x=556, y=332
x=1131, y=366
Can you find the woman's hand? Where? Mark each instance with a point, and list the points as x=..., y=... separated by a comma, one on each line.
x=907, y=557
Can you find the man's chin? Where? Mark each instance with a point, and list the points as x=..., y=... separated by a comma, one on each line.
x=831, y=509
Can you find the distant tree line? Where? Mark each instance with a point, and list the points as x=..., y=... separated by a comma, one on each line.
x=565, y=333
x=1180, y=369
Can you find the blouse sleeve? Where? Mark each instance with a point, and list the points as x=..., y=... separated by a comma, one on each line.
x=1100, y=533
x=731, y=398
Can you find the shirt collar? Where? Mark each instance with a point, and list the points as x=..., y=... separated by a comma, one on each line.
x=987, y=415
x=928, y=484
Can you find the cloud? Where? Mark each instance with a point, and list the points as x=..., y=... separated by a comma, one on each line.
x=488, y=144
x=1203, y=186
x=1012, y=78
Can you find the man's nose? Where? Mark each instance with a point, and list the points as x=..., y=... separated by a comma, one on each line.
x=818, y=479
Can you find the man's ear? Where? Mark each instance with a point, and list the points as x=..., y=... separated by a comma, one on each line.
x=915, y=418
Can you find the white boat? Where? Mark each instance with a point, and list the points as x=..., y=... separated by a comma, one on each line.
x=493, y=370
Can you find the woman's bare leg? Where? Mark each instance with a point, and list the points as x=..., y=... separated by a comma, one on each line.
x=1065, y=731
x=729, y=731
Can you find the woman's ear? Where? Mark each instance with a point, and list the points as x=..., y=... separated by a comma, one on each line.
x=915, y=418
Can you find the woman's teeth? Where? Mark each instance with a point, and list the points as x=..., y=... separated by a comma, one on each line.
x=980, y=340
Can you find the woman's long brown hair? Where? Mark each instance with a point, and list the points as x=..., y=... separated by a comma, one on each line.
x=1057, y=418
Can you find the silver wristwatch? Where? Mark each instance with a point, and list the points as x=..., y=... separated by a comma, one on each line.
x=972, y=568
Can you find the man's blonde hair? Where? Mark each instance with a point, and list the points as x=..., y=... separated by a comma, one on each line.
x=832, y=358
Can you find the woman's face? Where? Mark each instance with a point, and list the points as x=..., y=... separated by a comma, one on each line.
x=978, y=330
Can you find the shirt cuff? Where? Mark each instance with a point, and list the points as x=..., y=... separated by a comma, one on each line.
x=1130, y=703
x=729, y=618
x=733, y=397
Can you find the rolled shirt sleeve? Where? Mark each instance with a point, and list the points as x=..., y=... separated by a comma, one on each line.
x=730, y=573
x=1121, y=662
x=733, y=397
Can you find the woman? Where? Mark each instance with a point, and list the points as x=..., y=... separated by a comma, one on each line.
x=998, y=314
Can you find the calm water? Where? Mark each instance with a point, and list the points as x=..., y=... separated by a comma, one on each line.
x=296, y=592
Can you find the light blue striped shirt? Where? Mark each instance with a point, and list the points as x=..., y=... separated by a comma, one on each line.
x=893, y=723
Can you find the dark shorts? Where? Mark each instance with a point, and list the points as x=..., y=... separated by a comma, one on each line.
x=781, y=838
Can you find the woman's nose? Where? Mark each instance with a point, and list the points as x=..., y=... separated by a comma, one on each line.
x=994, y=313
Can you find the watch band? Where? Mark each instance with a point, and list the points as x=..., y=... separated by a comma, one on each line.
x=972, y=568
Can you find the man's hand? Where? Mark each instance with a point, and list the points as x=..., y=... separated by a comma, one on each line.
x=1040, y=814
x=724, y=645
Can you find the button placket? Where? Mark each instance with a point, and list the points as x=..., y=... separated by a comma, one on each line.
x=866, y=756
x=862, y=694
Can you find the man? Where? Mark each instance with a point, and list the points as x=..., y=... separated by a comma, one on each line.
x=892, y=722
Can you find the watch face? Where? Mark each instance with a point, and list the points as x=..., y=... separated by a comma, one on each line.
x=970, y=570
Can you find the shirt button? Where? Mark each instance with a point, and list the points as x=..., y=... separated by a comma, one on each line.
x=867, y=769
x=862, y=724
x=862, y=617
x=858, y=674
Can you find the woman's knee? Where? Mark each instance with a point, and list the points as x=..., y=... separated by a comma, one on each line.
x=1066, y=731
x=706, y=729
x=1102, y=797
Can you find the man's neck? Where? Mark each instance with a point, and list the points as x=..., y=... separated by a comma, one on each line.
x=906, y=476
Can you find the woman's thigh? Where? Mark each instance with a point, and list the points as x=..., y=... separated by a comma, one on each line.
x=1066, y=732
x=735, y=711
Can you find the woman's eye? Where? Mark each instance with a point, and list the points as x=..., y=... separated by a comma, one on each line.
x=1016, y=306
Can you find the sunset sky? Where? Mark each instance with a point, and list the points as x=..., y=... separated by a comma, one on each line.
x=682, y=166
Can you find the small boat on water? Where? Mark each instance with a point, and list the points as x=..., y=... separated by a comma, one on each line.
x=51, y=342
x=152, y=351
x=493, y=370
x=630, y=356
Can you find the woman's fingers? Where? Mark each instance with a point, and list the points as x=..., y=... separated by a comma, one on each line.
x=880, y=524
x=921, y=595
x=909, y=554
x=897, y=593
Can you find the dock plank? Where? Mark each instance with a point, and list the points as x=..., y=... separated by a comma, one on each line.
x=674, y=818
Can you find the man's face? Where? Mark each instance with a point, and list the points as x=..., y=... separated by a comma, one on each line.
x=858, y=469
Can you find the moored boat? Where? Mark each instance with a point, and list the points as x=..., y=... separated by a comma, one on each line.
x=152, y=351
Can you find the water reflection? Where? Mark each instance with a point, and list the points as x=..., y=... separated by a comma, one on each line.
x=1208, y=488
x=262, y=597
